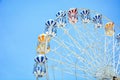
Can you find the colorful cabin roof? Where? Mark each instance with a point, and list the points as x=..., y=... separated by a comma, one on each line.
x=61, y=14
x=40, y=59
x=109, y=26
x=50, y=22
x=42, y=38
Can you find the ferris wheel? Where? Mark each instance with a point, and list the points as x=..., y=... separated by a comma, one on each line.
x=79, y=44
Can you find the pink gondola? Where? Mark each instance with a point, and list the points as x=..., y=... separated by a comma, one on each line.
x=73, y=15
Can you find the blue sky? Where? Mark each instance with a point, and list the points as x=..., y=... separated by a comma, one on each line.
x=21, y=21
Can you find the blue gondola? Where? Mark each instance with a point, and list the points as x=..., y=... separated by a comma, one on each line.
x=97, y=20
x=39, y=71
x=85, y=16
x=51, y=28
x=61, y=19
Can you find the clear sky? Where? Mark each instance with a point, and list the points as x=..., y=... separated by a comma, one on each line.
x=21, y=21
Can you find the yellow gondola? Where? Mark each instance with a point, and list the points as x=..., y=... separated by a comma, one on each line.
x=109, y=28
x=43, y=45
